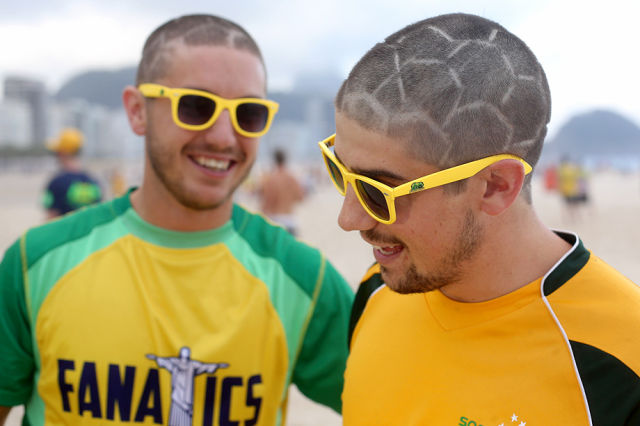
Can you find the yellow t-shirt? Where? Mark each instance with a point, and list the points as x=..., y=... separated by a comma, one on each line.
x=568, y=180
x=562, y=350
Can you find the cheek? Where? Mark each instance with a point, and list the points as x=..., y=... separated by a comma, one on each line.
x=166, y=135
x=428, y=221
x=408, y=210
x=249, y=147
x=424, y=209
x=160, y=126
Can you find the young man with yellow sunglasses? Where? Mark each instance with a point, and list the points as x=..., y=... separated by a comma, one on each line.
x=171, y=304
x=475, y=313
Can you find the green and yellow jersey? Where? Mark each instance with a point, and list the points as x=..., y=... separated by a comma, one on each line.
x=562, y=350
x=106, y=318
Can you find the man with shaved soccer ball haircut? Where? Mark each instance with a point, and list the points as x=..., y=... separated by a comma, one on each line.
x=171, y=304
x=475, y=313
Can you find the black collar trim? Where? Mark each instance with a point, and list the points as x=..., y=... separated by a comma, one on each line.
x=569, y=265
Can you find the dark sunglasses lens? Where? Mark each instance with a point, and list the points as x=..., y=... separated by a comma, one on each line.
x=336, y=175
x=252, y=117
x=374, y=198
x=194, y=109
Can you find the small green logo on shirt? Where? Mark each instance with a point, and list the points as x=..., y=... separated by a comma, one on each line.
x=468, y=422
x=465, y=421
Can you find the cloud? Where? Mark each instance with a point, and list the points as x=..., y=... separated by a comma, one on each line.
x=586, y=47
x=588, y=52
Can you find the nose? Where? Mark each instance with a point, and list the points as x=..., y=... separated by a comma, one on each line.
x=221, y=134
x=353, y=217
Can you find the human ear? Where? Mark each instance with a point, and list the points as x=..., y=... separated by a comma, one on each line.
x=134, y=105
x=503, y=182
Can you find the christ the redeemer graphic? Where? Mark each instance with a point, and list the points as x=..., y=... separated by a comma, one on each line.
x=183, y=370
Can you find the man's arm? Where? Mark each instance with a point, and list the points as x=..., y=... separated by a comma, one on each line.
x=16, y=351
x=319, y=370
x=4, y=412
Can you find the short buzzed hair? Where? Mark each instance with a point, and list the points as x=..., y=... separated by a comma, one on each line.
x=456, y=87
x=192, y=30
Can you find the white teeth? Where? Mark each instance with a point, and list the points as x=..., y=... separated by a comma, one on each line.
x=383, y=250
x=212, y=163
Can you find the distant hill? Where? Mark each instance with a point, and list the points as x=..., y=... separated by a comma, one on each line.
x=98, y=87
x=596, y=134
x=599, y=134
x=103, y=87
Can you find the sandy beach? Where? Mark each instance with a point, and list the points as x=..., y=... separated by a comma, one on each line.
x=608, y=227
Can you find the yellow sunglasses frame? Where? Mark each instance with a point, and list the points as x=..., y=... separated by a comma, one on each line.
x=152, y=90
x=442, y=177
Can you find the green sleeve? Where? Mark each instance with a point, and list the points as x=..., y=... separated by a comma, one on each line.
x=16, y=352
x=319, y=371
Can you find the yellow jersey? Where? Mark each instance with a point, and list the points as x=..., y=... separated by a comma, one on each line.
x=562, y=350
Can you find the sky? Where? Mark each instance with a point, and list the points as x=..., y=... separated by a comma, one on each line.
x=589, y=49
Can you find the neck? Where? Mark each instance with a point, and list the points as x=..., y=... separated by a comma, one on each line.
x=157, y=206
x=517, y=249
x=69, y=162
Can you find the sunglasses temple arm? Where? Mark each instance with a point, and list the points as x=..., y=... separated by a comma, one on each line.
x=443, y=177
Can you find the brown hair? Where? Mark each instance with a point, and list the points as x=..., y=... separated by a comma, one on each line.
x=192, y=30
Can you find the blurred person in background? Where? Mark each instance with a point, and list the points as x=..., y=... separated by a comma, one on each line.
x=573, y=185
x=172, y=304
x=551, y=178
x=117, y=182
x=280, y=192
x=475, y=313
x=72, y=187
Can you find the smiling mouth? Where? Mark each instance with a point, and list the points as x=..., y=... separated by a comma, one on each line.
x=388, y=250
x=213, y=164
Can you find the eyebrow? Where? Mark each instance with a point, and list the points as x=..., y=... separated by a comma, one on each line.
x=373, y=173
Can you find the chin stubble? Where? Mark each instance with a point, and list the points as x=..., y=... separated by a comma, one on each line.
x=449, y=270
x=160, y=162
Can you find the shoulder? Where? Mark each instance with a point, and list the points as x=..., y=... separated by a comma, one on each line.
x=268, y=238
x=598, y=310
x=268, y=241
x=589, y=277
x=600, y=289
x=58, y=179
x=65, y=178
x=583, y=285
x=87, y=177
x=597, y=306
x=42, y=239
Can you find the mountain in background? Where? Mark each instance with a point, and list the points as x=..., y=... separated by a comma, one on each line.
x=102, y=87
x=98, y=87
x=598, y=134
x=595, y=135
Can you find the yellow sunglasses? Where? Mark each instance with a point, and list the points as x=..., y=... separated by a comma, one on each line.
x=197, y=110
x=378, y=199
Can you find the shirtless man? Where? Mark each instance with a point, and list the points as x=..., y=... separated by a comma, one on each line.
x=279, y=193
